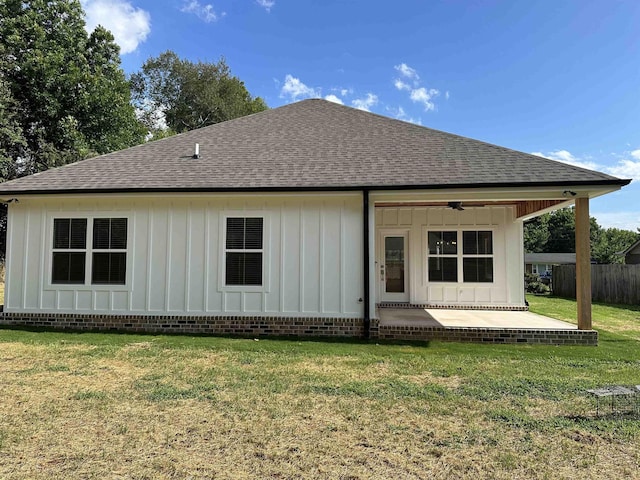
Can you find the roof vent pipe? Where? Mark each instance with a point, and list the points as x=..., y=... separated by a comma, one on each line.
x=196, y=152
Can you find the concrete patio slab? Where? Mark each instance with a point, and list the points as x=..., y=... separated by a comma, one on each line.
x=419, y=317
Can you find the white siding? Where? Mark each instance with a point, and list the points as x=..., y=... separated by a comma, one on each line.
x=312, y=256
x=507, y=288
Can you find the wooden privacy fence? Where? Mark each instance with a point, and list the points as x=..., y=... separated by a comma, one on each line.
x=609, y=283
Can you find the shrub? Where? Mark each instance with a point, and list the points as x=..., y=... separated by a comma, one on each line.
x=533, y=284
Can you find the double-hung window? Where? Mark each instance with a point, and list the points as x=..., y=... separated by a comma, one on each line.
x=443, y=256
x=244, y=251
x=103, y=249
x=447, y=261
x=69, y=250
x=109, y=251
x=477, y=260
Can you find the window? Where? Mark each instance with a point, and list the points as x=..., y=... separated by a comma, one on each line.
x=475, y=257
x=243, y=251
x=443, y=256
x=69, y=250
x=477, y=262
x=107, y=252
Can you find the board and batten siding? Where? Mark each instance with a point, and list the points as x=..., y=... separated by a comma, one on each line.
x=312, y=256
x=507, y=288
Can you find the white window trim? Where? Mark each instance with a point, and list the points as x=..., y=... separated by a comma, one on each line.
x=87, y=285
x=459, y=255
x=266, y=261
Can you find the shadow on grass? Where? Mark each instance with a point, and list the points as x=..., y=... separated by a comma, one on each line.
x=580, y=428
x=110, y=336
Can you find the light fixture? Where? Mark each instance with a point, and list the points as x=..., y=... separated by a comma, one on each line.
x=568, y=193
x=455, y=205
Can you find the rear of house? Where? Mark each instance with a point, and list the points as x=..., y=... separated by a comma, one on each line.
x=300, y=220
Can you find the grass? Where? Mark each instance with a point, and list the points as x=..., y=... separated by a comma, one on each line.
x=84, y=405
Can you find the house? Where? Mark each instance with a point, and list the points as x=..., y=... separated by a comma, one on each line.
x=542, y=263
x=303, y=219
x=631, y=254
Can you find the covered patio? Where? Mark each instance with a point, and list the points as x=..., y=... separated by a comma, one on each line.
x=484, y=326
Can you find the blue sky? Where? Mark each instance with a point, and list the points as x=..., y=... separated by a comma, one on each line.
x=559, y=78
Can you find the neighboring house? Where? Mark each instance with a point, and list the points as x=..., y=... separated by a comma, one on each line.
x=631, y=254
x=542, y=263
x=306, y=214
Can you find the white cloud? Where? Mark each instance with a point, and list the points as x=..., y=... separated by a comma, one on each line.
x=425, y=97
x=334, y=99
x=206, y=13
x=408, y=72
x=266, y=4
x=344, y=92
x=567, y=157
x=400, y=114
x=563, y=155
x=623, y=220
x=410, y=82
x=626, y=169
x=365, y=103
x=446, y=95
x=400, y=85
x=129, y=25
x=294, y=89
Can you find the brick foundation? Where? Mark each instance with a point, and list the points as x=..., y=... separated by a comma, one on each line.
x=294, y=327
x=190, y=324
x=489, y=335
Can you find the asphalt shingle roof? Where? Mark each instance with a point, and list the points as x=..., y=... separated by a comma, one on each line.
x=550, y=258
x=312, y=144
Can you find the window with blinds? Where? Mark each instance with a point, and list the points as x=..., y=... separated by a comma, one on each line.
x=244, y=250
x=109, y=251
x=69, y=250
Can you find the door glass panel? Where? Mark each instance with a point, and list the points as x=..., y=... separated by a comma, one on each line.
x=394, y=264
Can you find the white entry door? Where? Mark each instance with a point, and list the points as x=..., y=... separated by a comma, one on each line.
x=392, y=264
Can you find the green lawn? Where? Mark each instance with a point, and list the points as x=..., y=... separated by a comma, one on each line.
x=81, y=405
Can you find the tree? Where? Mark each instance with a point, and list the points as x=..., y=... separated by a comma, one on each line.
x=562, y=231
x=63, y=95
x=189, y=95
x=12, y=141
x=611, y=241
x=536, y=234
x=68, y=97
x=555, y=233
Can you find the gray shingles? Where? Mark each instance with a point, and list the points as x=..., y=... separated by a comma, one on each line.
x=309, y=144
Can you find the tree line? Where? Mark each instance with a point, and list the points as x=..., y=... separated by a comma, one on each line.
x=555, y=233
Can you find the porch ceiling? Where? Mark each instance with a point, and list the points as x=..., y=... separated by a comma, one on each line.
x=498, y=319
x=523, y=208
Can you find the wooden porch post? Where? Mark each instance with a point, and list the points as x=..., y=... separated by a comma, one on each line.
x=583, y=263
